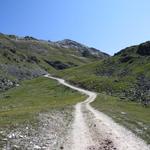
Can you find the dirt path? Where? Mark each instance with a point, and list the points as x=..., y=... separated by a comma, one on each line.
x=93, y=130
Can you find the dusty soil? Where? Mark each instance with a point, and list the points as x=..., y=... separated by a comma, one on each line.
x=50, y=132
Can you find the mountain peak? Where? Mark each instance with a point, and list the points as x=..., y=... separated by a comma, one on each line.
x=71, y=44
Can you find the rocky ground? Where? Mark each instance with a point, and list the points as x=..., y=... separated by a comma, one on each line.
x=49, y=133
x=102, y=139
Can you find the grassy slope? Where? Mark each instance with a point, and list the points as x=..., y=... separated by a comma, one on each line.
x=112, y=75
x=23, y=103
x=18, y=53
x=87, y=77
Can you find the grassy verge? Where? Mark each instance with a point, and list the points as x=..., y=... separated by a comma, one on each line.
x=23, y=103
x=129, y=114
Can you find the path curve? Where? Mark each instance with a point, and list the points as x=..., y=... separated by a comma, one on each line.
x=93, y=130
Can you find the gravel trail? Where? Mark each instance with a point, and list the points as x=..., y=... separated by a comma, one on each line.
x=93, y=130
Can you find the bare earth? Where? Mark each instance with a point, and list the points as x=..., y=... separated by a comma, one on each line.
x=93, y=130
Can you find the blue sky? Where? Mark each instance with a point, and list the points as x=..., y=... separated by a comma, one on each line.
x=108, y=25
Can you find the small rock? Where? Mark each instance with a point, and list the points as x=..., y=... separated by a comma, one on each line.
x=16, y=147
x=21, y=136
x=123, y=113
x=36, y=147
x=17, y=85
x=1, y=132
x=5, y=139
x=11, y=136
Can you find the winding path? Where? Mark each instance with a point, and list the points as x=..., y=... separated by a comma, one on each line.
x=93, y=130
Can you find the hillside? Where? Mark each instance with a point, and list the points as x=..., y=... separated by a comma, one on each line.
x=37, y=109
x=27, y=57
x=122, y=83
x=126, y=74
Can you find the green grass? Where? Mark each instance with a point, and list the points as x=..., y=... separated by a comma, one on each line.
x=23, y=103
x=86, y=76
x=136, y=118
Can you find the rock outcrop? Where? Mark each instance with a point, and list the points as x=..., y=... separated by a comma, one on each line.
x=144, y=49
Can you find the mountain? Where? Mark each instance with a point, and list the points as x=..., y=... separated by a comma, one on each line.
x=28, y=57
x=126, y=74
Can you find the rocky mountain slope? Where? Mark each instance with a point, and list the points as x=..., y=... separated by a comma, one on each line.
x=85, y=50
x=126, y=74
x=27, y=57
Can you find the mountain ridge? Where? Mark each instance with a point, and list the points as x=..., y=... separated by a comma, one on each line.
x=66, y=43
